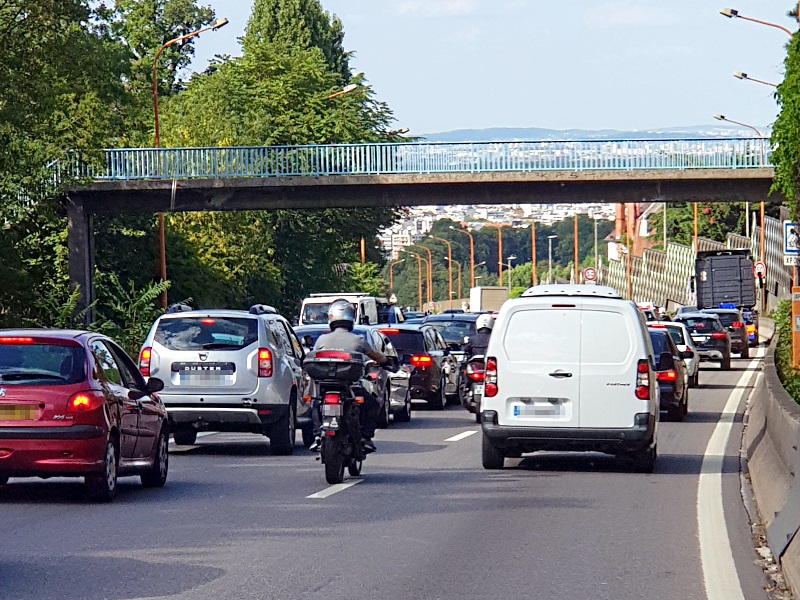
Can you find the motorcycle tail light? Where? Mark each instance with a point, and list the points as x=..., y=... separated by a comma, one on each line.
x=334, y=354
x=331, y=399
x=667, y=376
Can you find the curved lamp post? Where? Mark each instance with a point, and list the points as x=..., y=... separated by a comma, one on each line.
x=419, y=277
x=458, y=265
x=449, y=259
x=391, y=275
x=430, y=271
x=499, y=251
x=733, y=13
x=471, y=254
x=550, y=239
x=740, y=75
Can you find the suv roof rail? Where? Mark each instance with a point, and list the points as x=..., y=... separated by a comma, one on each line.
x=178, y=307
x=571, y=289
x=263, y=309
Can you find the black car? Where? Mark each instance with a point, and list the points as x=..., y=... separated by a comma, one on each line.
x=391, y=389
x=670, y=374
x=434, y=377
x=733, y=321
x=711, y=339
x=455, y=328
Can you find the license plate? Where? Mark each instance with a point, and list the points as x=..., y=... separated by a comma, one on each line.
x=699, y=339
x=331, y=410
x=478, y=391
x=539, y=410
x=23, y=412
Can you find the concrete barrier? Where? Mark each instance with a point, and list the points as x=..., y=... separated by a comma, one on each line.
x=766, y=329
x=771, y=440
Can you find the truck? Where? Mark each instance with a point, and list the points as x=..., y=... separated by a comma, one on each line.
x=725, y=277
x=483, y=298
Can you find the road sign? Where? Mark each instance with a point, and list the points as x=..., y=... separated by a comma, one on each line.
x=791, y=261
x=589, y=274
x=431, y=305
x=791, y=239
x=760, y=269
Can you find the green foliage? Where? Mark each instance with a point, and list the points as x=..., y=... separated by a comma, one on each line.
x=366, y=278
x=789, y=375
x=786, y=130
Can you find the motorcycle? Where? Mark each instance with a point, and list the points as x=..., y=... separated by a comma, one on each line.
x=472, y=378
x=336, y=374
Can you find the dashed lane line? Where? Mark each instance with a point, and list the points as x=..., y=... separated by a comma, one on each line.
x=334, y=489
x=460, y=436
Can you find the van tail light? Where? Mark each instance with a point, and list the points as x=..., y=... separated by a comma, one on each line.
x=718, y=335
x=264, y=362
x=643, y=380
x=669, y=376
x=85, y=401
x=737, y=325
x=332, y=398
x=490, y=376
x=144, y=361
x=421, y=361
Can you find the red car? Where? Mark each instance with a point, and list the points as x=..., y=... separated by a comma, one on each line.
x=73, y=404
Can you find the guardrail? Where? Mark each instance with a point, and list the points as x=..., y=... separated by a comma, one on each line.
x=421, y=158
x=771, y=441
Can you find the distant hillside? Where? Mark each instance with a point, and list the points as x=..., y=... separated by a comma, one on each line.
x=512, y=134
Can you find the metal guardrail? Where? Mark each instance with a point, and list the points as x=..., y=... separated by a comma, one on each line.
x=420, y=158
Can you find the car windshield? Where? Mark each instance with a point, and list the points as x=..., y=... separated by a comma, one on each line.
x=41, y=364
x=207, y=333
x=727, y=318
x=701, y=324
x=317, y=312
x=454, y=331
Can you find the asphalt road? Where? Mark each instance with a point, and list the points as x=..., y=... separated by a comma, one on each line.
x=425, y=521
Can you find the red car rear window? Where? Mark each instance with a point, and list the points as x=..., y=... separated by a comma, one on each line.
x=41, y=364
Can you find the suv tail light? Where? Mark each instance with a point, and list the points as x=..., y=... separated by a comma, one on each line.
x=667, y=376
x=737, y=325
x=85, y=401
x=490, y=375
x=718, y=335
x=421, y=361
x=144, y=361
x=264, y=362
x=643, y=380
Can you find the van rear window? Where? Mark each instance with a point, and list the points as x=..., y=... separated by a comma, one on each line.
x=207, y=333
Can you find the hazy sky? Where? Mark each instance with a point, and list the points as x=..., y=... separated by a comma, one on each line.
x=567, y=64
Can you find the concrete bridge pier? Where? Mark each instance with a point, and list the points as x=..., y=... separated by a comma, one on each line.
x=80, y=247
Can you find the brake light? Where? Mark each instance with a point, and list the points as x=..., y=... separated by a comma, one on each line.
x=718, y=335
x=331, y=399
x=657, y=326
x=475, y=371
x=490, y=376
x=737, y=325
x=336, y=354
x=207, y=321
x=144, y=361
x=421, y=361
x=389, y=331
x=264, y=362
x=643, y=380
x=85, y=401
x=668, y=376
x=16, y=340
x=477, y=376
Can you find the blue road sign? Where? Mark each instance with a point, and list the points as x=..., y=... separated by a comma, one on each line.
x=791, y=238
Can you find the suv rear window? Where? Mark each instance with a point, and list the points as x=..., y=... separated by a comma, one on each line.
x=406, y=342
x=42, y=364
x=453, y=331
x=701, y=325
x=727, y=318
x=207, y=333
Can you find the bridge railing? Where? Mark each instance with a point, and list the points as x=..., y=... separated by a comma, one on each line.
x=421, y=158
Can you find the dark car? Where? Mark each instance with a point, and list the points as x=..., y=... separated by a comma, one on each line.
x=391, y=389
x=435, y=371
x=733, y=321
x=455, y=329
x=73, y=404
x=670, y=374
x=712, y=340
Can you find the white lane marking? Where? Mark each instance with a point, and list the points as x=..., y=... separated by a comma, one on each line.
x=460, y=436
x=200, y=434
x=719, y=568
x=334, y=489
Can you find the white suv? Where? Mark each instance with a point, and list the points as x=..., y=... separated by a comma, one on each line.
x=570, y=367
x=228, y=370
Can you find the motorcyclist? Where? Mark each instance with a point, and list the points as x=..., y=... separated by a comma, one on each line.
x=341, y=319
x=478, y=343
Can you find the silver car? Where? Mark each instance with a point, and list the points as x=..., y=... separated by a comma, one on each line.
x=228, y=370
x=683, y=340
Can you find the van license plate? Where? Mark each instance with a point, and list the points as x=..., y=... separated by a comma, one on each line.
x=539, y=410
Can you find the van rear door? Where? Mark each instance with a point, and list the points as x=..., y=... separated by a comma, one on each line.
x=609, y=359
x=539, y=373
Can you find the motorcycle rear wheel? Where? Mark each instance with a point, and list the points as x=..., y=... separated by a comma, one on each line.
x=333, y=458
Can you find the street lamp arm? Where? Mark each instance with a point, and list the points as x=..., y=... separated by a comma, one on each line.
x=768, y=24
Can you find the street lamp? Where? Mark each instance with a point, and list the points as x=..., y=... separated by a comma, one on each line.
x=162, y=245
x=732, y=13
x=391, y=277
x=740, y=75
x=508, y=270
x=533, y=253
x=550, y=239
x=458, y=265
x=471, y=254
x=419, y=277
x=345, y=90
x=430, y=271
x=449, y=265
x=499, y=251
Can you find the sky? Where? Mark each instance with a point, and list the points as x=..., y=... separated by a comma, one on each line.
x=444, y=65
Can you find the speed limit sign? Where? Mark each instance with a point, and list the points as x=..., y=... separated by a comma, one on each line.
x=589, y=275
x=760, y=269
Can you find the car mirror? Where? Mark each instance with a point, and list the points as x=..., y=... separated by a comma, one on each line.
x=308, y=341
x=666, y=362
x=154, y=384
x=687, y=354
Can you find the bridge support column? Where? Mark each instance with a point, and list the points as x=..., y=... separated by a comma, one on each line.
x=80, y=247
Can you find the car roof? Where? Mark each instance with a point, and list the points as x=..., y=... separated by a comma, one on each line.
x=662, y=324
x=412, y=327
x=571, y=289
x=452, y=317
x=64, y=334
x=216, y=312
x=720, y=310
x=697, y=315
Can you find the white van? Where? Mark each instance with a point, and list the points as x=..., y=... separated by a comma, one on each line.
x=569, y=367
x=369, y=309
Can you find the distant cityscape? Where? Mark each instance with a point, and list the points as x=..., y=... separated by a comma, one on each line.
x=421, y=219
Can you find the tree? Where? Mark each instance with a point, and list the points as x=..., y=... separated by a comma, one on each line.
x=786, y=131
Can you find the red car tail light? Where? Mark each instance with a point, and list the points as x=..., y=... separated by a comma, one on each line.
x=335, y=354
x=490, y=375
x=16, y=340
x=85, y=401
x=421, y=361
x=264, y=362
x=643, y=380
x=144, y=361
x=737, y=325
x=667, y=376
x=718, y=335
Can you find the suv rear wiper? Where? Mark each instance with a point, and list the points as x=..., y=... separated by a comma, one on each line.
x=219, y=345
